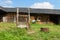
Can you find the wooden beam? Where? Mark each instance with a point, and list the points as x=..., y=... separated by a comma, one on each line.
x=17, y=17
x=28, y=18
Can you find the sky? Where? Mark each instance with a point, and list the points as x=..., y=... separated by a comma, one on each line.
x=44, y=4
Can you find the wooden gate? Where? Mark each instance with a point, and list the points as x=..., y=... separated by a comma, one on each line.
x=22, y=21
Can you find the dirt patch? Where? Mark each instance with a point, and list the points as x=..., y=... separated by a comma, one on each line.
x=30, y=31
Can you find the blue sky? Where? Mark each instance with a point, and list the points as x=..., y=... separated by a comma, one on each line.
x=29, y=3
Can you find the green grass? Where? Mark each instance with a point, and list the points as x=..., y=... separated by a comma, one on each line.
x=9, y=31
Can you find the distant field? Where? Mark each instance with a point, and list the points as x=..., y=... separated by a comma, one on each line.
x=9, y=31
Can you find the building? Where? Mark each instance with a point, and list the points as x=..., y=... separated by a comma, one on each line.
x=41, y=15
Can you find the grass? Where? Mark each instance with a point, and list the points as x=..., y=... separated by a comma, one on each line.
x=9, y=31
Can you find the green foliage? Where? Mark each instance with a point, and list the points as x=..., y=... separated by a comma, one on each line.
x=9, y=31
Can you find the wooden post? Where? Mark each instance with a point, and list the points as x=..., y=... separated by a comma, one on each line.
x=28, y=18
x=17, y=16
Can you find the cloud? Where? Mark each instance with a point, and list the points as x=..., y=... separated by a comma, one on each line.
x=43, y=5
x=6, y=3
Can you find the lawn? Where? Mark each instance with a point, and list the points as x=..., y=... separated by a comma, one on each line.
x=9, y=31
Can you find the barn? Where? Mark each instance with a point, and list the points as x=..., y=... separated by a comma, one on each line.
x=43, y=16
